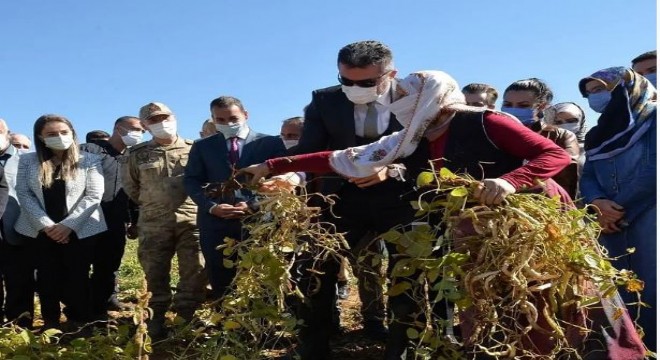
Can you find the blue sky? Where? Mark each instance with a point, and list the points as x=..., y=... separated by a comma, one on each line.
x=93, y=61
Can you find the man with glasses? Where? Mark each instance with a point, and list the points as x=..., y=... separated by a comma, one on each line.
x=115, y=204
x=354, y=113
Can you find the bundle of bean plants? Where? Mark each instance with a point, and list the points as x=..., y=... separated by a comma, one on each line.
x=524, y=275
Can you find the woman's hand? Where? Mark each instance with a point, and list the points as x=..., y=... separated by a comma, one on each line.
x=370, y=180
x=59, y=233
x=257, y=172
x=493, y=191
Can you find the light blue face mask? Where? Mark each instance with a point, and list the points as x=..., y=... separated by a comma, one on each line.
x=598, y=101
x=525, y=115
x=652, y=78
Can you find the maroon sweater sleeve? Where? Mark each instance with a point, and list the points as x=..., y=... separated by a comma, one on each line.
x=544, y=158
x=318, y=163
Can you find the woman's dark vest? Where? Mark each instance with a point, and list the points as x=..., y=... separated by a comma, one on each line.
x=470, y=151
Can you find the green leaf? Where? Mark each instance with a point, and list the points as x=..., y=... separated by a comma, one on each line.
x=399, y=288
x=425, y=178
x=459, y=192
x=412, y=333
x=25, y=337
x=391, y=236
x=230, y=325
x=227, y=263
x=228, y=357
x=446, y=174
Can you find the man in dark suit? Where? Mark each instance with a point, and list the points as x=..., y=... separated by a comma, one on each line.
x=353, y=114
x=212, y=160
x=116, y=206
x=16, y=267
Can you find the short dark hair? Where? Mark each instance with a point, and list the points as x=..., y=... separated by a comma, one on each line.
x=477, y=88
x=645, y=56
x=365, y=53
x=126, y=118
x=96, y=135
x=226, y=101
x=296, y=120
x=541, y=90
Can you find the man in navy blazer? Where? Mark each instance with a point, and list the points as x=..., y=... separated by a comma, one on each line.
x=213, y=160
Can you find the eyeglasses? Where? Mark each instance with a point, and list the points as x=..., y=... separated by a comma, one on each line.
x=21, y=146
x=360, y=83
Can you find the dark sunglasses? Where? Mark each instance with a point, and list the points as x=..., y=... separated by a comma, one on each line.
x=360, y=83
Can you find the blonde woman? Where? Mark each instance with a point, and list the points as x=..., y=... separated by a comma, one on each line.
x=60, y=190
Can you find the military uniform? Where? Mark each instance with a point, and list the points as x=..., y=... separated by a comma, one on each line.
x=153, y=177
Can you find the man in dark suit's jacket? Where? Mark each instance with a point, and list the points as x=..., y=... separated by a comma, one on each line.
x=210, y=161
x=337, y=118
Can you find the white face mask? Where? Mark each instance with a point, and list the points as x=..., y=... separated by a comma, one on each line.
x=289, y=143
x=572, y=127
x=61, y=142
x=164, y=129
x=4, y=142
x=232, y=130
x=132, y=138
x=360, y=95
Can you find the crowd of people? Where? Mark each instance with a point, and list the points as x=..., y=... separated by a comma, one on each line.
x=69, y=207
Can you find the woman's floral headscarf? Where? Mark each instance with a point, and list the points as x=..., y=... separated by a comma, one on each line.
x=425, y=94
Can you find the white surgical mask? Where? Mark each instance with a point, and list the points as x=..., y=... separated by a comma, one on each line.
x=132, y=138
x=572, y=127
x=4, y=142
x=61, y=142
x=232, y=130
x=289, y=143
x=360, y=95
x=163, y=129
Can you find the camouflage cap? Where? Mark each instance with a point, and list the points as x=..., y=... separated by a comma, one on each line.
x=152, y=109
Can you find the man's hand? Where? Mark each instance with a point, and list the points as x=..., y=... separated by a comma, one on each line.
x=608, y=227
x=59, y=233
x=493, y=191
x=227, y=211
x=370, y=180
x=608, y=210
x=257, y=172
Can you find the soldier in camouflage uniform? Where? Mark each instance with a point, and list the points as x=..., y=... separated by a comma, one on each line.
x=153, y=177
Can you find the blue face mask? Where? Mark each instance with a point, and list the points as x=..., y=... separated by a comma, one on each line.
x=652, y=78
x=525, y=115
x=598, y=101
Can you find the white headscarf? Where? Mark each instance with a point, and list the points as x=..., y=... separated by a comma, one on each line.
x=425, y=93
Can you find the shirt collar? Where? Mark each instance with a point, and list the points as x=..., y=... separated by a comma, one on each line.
x=9, y=152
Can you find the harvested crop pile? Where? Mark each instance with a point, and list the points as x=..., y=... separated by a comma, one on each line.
x=526, y=275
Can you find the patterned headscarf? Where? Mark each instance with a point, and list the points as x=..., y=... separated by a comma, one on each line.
x=425, y=93
x=550, y=116
x=624, y=120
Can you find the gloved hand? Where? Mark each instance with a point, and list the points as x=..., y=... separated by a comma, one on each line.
x=493, y=191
